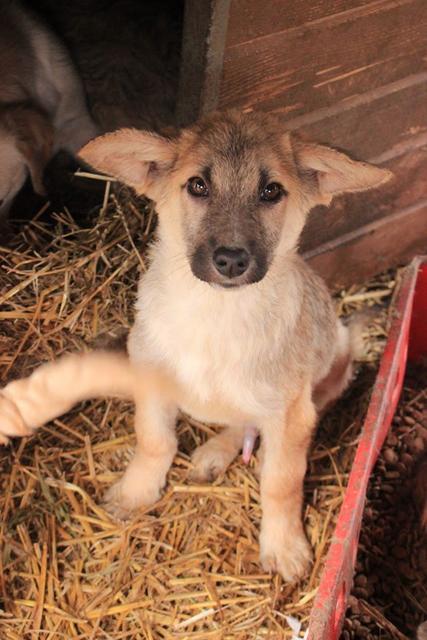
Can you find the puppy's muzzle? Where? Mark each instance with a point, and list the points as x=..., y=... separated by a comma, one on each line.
x=226, y=266
x=231, y=262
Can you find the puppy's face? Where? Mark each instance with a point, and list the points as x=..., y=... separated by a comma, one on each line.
x=237, y=189
x=232, y=191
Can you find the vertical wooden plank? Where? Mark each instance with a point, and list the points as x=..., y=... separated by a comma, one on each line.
x=203, y=44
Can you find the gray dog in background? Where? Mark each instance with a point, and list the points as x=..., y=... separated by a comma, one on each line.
x=42, y=104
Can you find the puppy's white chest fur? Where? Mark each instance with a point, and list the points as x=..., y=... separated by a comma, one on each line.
x=225, y=347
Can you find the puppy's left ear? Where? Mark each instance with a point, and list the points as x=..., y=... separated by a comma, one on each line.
x=335, y=173
x=136, y=158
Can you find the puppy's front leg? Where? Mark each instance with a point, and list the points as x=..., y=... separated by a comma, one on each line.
x=283, y=544
x=156, y=446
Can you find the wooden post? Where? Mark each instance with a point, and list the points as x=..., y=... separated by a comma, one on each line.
x=205, y=31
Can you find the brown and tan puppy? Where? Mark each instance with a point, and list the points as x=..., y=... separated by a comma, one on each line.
x=240, y=331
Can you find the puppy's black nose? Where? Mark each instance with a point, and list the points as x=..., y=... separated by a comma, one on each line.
x=231, y=262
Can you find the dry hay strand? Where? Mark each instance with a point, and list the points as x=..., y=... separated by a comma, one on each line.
x=189, y=568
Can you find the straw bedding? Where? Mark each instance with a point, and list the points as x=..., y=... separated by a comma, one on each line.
x=189, y=568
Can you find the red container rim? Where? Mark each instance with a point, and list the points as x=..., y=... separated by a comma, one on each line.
x=329, y=607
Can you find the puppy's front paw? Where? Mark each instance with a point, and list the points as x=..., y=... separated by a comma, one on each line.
x=11, y=422
x=124, y=497
x=289, y=555
x=210, y=460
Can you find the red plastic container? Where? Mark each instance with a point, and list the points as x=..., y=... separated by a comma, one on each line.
x=407, y=340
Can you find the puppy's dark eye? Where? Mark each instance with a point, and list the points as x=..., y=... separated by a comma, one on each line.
x=273, y=192
x=196, y=186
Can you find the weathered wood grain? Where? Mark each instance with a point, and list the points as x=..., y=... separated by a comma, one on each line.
x=369, y=125
x=322, y=62
x=390, y=241
x=249, y=19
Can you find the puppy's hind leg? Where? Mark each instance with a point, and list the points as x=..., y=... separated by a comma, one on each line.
x=349, y=346
x=214, y=456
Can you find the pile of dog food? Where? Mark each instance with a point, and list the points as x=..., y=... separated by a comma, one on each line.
x=389, y=597
x=188, y=569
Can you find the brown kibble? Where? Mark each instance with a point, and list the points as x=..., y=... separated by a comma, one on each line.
x=407, y=459
x=406, y=570
x=352, y=601
x=392, y=475
x=390, y=456
x=399, y=552
x=361, y=580
x=392, y=440
x=388, y=488
x=360, y=592
x=369, y=513
x=401, y=468
x=363, y=631
x=411, y=445
x=370, y=589
x=421, y=431
x=419, y=444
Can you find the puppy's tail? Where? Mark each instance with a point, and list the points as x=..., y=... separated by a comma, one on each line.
x=54, y=388
x=357, y=325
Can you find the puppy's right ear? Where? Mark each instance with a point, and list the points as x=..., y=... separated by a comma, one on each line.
x=134, y=157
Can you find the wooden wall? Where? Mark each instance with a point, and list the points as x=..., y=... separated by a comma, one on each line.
x=351, y=73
